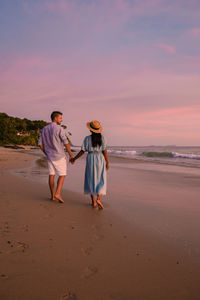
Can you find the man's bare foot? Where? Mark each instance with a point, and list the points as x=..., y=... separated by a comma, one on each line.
x=59, y=198
x=53, y=198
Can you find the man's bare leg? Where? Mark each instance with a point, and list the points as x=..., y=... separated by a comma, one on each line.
x=52, y=186
x=59, y=187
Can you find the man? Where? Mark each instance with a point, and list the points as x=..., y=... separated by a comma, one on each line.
x=52, y=141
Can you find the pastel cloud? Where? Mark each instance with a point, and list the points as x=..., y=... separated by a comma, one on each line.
x=167, y=48
x=60, y=6
x=177, y=117
x=117, y=82
x=195, y=32
x=113, y=60
x=119, y=8
x=174, y=124
x=81, y=99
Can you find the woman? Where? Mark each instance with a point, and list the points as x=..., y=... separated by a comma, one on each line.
x=96, y=163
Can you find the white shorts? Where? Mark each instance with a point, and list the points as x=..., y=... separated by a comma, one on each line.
x=58, y=167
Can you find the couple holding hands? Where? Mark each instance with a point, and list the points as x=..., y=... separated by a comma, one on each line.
x=52, y=141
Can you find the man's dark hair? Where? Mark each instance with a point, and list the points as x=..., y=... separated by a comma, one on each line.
x=55, y=114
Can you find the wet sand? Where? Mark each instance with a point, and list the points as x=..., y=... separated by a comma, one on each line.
x=54, y=251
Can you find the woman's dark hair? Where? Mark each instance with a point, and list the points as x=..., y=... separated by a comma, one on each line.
x=96, y=139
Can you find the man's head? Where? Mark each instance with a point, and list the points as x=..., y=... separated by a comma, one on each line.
x=56, y=117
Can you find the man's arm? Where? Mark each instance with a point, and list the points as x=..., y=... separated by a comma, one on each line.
x=40, y=144
x=68, y=148
x=65, y=142
x=42, y=148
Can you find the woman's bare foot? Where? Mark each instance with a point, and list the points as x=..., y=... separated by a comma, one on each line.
x=53, y=198
x=94, y=202
x=100, y=205
x=59, y=198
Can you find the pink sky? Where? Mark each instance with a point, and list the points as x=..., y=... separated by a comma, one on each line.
x=133, y=65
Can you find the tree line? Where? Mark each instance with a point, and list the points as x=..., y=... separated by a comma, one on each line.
x=19, y=131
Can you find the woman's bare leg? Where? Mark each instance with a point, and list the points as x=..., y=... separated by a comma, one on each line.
x=94, y=203
x=99, y=201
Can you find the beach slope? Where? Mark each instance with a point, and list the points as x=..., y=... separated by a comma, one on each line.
x=70, y=251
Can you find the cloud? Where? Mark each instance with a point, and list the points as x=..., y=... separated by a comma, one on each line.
x=103, y=79
x=177, y=125
x=195, y=32
x=119, y=8
x=105, y=13
x=169, y=49
x=60, y=6
x=116, y=60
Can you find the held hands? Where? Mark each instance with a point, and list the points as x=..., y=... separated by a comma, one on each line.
x=72, y=160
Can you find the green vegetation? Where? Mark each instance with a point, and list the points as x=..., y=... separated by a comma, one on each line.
x=157, y=154
x=16, y=131
x=19, y=131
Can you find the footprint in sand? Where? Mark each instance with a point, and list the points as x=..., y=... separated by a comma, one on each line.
x=98, y=237
x=89, y=272
x=87, y=251
x=23, y=246
x=25, y=227
x=47, y=216
x=44, y=206
x=68, y=296
x=17, y=247
x=3, y=276
x=6, y=228
x=96, y=227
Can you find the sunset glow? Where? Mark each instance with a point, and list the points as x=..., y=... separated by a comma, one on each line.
x=132, y=64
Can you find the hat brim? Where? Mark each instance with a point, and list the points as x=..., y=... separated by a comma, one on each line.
x=94, y=130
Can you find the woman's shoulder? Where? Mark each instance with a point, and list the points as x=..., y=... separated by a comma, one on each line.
x=87, y=137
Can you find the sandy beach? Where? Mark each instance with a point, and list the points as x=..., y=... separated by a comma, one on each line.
x=143, y=246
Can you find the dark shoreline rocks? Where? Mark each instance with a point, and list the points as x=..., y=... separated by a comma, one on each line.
x=14, y=147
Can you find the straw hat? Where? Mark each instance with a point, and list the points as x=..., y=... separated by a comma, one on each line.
x=94, y=126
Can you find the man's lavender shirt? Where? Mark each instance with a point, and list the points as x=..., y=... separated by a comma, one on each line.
x=53, y=138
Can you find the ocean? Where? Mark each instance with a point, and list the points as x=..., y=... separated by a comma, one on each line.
x=175, y=155
x=165, y=159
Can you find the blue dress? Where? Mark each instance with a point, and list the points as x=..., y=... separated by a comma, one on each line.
x=95, y=170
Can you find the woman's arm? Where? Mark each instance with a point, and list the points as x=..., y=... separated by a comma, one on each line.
x=77, y=156
x=105, y=153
